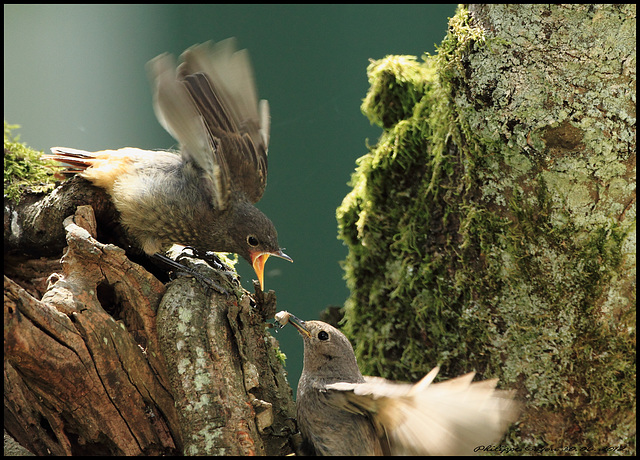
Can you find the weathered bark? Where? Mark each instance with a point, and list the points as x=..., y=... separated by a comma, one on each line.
x=34, y=226
x=76, y=378
x=492, y=228
x=110, y=361
x=231, y=394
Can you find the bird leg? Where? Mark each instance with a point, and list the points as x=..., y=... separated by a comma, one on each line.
x=183, y=269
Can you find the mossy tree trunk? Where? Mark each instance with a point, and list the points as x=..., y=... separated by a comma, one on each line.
x=102, y=358
x=492, y=227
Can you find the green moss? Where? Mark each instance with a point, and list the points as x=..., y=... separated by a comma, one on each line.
x=495, y=231
x=397, y=84
x=281, y=356
x=228, y=259
x=23, y=168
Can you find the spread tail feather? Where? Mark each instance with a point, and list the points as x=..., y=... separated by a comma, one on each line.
x=74, y=160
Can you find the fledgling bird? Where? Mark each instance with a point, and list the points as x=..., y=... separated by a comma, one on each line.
x=203, y=196
x=340, y=412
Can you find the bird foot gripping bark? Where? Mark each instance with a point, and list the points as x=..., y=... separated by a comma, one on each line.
x=211, y=259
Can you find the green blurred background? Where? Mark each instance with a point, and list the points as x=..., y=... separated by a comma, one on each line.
x=75, y=76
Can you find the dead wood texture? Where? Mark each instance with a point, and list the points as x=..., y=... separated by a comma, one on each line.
x=103, y=358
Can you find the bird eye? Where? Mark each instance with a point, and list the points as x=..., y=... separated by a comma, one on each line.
x=252, y=240
x=322, y=335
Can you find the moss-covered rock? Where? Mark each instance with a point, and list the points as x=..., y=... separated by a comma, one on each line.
x=492, y=227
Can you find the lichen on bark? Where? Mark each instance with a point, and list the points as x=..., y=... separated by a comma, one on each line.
x=492, y=227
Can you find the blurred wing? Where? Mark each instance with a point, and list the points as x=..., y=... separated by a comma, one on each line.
x=220, y=81
x=177, y=113
x=447, y=418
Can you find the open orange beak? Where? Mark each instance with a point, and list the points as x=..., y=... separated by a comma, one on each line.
x=258, y=259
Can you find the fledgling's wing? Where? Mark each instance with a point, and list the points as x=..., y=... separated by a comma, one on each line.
x=220, y=80
x=219, y=87
x=178, y=114
x=447, y=418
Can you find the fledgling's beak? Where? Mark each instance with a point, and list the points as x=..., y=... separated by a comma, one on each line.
x=299, y=325
x=259, y=259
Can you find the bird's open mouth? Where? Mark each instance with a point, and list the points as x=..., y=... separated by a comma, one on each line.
x=260, y=259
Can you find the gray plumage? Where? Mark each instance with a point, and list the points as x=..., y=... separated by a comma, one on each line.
x=340, y=412
x=204, y=195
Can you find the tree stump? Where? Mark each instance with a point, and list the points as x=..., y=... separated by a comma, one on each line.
x=102, y=358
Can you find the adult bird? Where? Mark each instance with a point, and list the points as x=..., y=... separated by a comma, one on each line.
x=341, y=412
